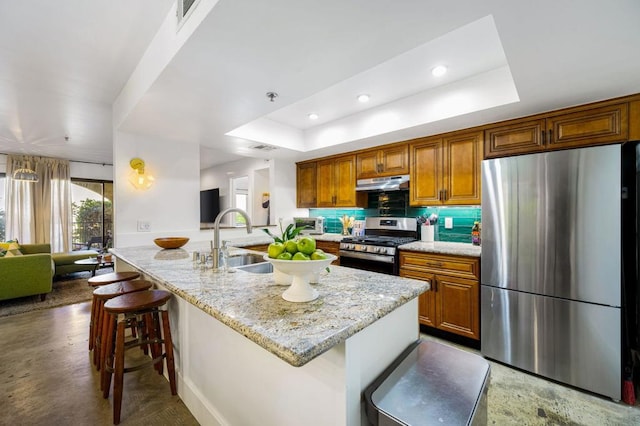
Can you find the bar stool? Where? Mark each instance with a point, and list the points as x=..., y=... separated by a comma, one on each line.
x=101, y=280
x=142, y=309
x=113, y=277
x=100, y=296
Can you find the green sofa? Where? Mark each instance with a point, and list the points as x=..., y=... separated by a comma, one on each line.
x=27, y=275
x=64, y=262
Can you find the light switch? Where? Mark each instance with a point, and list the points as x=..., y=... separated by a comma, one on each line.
x=448, y=223
x=144, y=226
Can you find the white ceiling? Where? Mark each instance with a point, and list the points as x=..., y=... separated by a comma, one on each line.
x=62, y=67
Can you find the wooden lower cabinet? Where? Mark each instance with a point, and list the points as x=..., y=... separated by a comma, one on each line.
x=259, y=247
x=453, y=302
x=330, y=247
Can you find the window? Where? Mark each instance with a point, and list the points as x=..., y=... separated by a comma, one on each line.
x=92, y=211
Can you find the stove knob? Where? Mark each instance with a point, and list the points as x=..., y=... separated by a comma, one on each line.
x=380, y=250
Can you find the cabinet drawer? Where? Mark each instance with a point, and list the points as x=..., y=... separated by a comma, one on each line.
x=458, y=266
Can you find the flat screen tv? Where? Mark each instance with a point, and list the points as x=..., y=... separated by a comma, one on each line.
x=209, y=205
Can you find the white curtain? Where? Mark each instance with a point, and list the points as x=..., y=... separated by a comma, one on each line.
x=39, y=212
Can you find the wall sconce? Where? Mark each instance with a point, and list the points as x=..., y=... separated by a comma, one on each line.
x=25, y=175
x=138, y=178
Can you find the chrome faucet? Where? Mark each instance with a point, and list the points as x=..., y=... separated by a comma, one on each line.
x=215, y=244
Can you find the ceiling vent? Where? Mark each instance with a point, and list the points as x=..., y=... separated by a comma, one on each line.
x=184, y=10
x=263, y=147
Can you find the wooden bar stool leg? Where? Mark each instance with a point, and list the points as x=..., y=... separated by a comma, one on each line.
x=118, y=372
x=107, y=351
x=97, y=333
x=92, y=323
x=155, y=326
x=168, y=349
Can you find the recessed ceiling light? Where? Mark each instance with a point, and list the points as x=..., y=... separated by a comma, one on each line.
x=363, y=98
x=439, y=71
x=313, y=116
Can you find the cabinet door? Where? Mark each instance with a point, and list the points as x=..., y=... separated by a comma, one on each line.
x=259, y=247
x=461, y=170
x=306, y=185
x=591, y=127
x=367, y=164
x=324, y=183
x=345, y=181
x=394, y=161
x=458, y=306
x=331, y=248
x=427, y=300
x=516, y=138
x=426, y=177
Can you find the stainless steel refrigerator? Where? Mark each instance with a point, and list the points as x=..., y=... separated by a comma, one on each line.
x=551, y=265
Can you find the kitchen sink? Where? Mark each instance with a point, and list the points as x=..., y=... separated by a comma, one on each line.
x=257, y=268
x=244, y=259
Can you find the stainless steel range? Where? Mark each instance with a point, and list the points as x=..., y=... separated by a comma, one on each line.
x=377, y=250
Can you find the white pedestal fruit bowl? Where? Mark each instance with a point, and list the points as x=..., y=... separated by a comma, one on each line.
x=301, y=272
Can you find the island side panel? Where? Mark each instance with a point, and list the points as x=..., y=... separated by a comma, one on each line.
x=224, y=378
x=372, y=350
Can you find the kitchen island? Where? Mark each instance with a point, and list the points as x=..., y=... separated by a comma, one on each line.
x=246, y=356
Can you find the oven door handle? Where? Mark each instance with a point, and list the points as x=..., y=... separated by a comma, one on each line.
x=367, y=256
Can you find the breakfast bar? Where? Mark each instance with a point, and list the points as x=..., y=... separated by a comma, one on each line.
x=244, y=355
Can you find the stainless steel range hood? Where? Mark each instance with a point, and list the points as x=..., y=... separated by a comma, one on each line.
x=390, y=183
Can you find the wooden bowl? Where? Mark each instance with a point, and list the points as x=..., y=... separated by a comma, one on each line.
x=171, y=242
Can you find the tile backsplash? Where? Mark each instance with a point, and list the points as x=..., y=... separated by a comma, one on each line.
x=463, y=218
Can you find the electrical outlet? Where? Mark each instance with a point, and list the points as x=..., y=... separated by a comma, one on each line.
x=144, y=226
x=448, y=223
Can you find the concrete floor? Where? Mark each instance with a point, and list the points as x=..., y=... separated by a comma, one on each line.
x=46, y=378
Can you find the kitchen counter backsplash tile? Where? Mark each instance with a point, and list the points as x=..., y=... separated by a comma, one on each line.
x=463, y=218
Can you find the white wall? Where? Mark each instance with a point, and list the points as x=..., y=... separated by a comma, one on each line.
x=280, y=176
x=171, y=205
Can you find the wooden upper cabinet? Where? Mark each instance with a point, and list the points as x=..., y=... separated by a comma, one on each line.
x=462, y=156
x=383, y=162
x=324, y=183
x=426, y=172
x=584, y=127
x=518, y=138
x=590, y=127
x=336, y=183
x=446, y=171
x=306, y=185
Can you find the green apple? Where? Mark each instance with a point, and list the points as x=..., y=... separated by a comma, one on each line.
x=291, y=246
x=318, y=254
x=275, y=249
x=284, y=256
x=306, y=245
x=300, y=256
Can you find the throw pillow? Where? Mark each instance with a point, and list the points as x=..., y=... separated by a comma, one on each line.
x=9, y=245
x=13, y=252
x=2, y=252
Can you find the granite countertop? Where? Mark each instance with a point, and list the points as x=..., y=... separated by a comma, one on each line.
x=442, y=247
x=252, y=304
